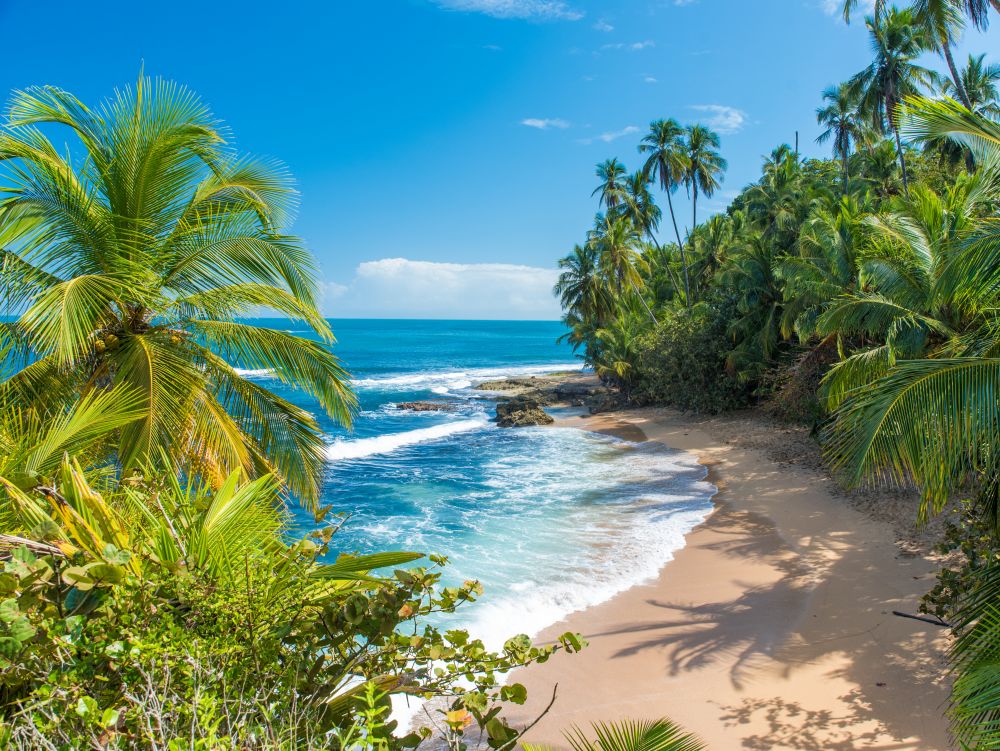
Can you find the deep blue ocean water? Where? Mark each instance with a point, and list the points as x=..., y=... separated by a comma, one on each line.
x=551, y=520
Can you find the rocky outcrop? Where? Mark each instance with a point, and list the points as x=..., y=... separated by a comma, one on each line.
x=521, y=411
x=427, y=406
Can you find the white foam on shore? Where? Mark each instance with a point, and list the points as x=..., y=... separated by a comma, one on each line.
x=662, y=496
x=384, y=444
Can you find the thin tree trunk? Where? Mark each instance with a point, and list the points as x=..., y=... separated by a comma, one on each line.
x=847, y=169
x=959, y=88
x=635, y=288
x=684, y=263
x=902, y=160
x=673, y=218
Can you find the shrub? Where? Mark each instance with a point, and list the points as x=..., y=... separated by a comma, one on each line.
x=681, y=362
x=202, y=632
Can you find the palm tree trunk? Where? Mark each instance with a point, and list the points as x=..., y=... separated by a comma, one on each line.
x=673, y=218
x=684, y=263
x=962, y=94
x=635, y=288
x=847, y=169
x=902, y=160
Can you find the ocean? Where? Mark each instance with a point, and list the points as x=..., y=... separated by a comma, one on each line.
x=550, y=520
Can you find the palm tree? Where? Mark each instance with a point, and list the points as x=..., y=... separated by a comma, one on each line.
x=133, y=264
x=705, y=166
x=942, y=20
x=703, y=171
x=840, y=117
x=979, y=80
x=667, y=164
x=630, y=735
x=611, y=174
x=897, y=42
x=580, y=288
x=616, y=242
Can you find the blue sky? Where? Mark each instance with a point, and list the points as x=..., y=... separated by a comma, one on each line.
x=445, y=149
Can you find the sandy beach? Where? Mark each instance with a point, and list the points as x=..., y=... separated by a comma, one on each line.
x=772, y=628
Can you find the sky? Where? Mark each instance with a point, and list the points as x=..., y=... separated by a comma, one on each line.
x=445, y=149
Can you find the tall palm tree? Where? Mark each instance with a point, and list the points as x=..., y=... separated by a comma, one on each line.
x=703, y=171
x=667, y=164
x=611, y=174
x=977, y=11
x=705, y=165
x=133, y=263
x=897, y=42
x=840, y=117
x=943, y=21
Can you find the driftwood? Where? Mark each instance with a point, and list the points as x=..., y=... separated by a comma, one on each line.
x=935, y=621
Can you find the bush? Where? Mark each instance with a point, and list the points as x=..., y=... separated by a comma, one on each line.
x=682, y=362
x=205, y=631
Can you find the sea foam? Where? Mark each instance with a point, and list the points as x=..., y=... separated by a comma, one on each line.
x=384, y=444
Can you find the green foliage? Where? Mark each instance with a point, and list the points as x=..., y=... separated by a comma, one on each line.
x=631, y=735
x=202, y=625
x=682, y=362
x=130, y=258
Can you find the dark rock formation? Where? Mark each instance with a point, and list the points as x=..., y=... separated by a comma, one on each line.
x=520, y=412
x=427, y=406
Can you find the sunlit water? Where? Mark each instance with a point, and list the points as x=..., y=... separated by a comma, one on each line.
x=550, y=520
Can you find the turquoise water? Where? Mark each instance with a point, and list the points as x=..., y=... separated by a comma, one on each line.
x=550, y=520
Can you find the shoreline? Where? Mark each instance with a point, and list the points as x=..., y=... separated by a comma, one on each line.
x=771, y=628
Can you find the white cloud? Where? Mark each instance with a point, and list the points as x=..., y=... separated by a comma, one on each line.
x=544, y=123
x=603, y=25
x=403, y=288
x=611, y=135
x=650, y=79
x=635, y=46
x=723, y=119
x=535, y=9
x=682, y=3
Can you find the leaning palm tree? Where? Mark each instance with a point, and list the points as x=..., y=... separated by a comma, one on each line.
x=897, y=42
x=133, y=262
x=667, y=164
x=839, y=116
x=943, y=20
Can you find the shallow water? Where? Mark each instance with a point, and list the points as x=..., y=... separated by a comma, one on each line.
x=550, y=520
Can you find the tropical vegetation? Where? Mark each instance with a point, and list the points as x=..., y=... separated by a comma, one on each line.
x=154, y=590
x=856, y=293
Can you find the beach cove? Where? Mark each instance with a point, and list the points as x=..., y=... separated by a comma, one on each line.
x=772, y=628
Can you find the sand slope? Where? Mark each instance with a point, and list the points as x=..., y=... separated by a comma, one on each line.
x=772, y=629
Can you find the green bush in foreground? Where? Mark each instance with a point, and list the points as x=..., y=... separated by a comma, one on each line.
x=157, y=616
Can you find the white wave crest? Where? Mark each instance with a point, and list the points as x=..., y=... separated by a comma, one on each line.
x=458, y=379
x=384, y=444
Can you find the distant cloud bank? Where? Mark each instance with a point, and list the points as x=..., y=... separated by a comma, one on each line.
x=530, y=9
x=404, y=288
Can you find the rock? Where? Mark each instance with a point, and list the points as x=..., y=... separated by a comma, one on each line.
x=427, y=406
x=520, y=412
x=608, y=402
